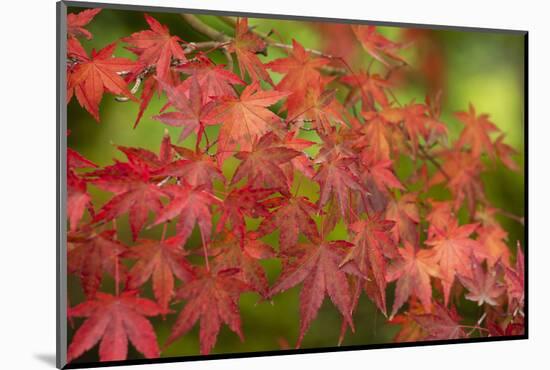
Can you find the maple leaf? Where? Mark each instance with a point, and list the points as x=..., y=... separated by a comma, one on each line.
x=509, y=329
x=378, y=173
x=94, y=75
x=416, y=121
x=246, y=45
x=156, y=47
x=191, y=205
x=301, y=163
x=410, y=330
x=262, y=164
x=142, y=163
x=316, y=264
x=76, y=160
x=149, y=87
x=404, y=212
x=337, y=182
x=78, y=198
x=113, y=321
x=412, y=272
x=214, y=80
x=134, y=195
x=367, y=87
x=440, y=217
x=373, y=243
x=191, y=111
x=91, y=254
x=240, y=203
x=213, y=298
x=493, y=239
x=379, y=47
x=161, y=260
x=482, y=285
x=451, y=250
x=291, y=216
x=229, y=254
x=514, y=278
x=196, y=169
x=77, y=21
x=442, y=323
x=133, y=185
x=505, y=153
x=320, y=106
x=460, y=172
x=301, y=72
x=377, y=134
x=245, y=119
x=476, y=132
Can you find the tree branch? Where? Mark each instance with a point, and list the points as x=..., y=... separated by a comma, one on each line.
x=205, y=29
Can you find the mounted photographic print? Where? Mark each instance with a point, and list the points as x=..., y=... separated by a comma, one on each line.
x=236, y=185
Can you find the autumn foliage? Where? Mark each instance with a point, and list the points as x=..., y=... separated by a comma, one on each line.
x=400, y=242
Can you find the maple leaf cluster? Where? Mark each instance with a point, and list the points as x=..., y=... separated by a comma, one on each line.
x=281, y=135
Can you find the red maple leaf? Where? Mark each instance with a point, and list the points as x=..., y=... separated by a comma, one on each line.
x=301, y=71
x=161, y=260
x=367, y=87
x=378, y=135
x=191, y=205
x=483, y=286
x=379, y=47
x=373, y=244
x=156, y=47
x=378, y=173
x=442, y=323
x=451, y=250
x=77, y=21
x=262, y=165
x=246, y=45
x=215, y=81
x=191, y=107
x=514, y=279
x=412, y=272
x=406, y=216
x=213, y=298
x=135, y=194
x=78, y=198
x=476, y=133
x=90, y=255
x=291, y=216
x=115, y=320
x=416, y=121
x=317, y=265
x=338, y=182
x=460, y=172
x=245, y=118
x=505, y=153
x=230, y=254
x=240, y=203
x=320, y=106
x=493, y=239
x=196, y=169
x=94, y=75
x=410, y=330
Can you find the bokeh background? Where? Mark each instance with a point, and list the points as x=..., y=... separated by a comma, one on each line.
x=484, y=68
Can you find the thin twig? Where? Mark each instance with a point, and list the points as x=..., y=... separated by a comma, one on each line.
x=230, y=21
x=518, y=219
x=133, y=90
x=205, y=29
x=434, y=162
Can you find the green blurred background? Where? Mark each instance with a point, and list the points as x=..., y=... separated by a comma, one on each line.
x=483, y=68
